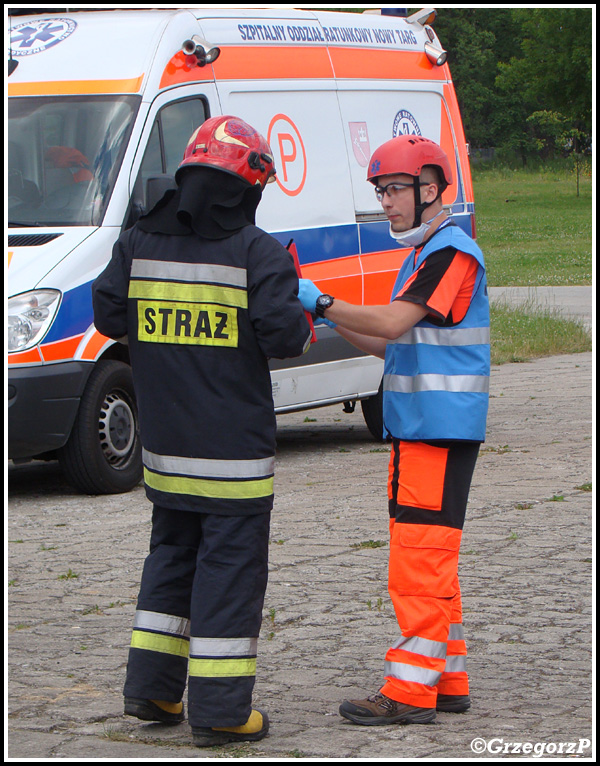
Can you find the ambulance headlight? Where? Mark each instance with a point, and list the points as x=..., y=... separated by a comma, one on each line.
x=29, y=317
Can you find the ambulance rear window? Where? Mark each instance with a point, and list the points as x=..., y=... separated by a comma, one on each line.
x=64, y=155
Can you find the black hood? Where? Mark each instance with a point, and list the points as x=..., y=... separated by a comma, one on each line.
x=211, y=203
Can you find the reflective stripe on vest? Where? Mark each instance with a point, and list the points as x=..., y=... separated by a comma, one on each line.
x=436, y=379
x=409, y=384
x=435, y=336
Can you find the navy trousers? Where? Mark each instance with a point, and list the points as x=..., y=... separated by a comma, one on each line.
x=199, y=613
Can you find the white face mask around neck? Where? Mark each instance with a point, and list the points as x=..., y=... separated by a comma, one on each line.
x=413, y=237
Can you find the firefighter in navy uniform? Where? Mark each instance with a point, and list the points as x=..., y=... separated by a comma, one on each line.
x=205, y=298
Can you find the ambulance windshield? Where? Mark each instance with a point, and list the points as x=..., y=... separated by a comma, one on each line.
x=64, y=155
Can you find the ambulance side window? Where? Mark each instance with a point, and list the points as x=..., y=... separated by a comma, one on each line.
x=170, y=133
x=178, y=122
x=152, y=162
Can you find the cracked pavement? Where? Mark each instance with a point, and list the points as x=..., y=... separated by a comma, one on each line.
x=74, y=564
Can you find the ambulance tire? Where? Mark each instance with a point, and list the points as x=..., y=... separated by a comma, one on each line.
x=372, y=409
x=103, y=453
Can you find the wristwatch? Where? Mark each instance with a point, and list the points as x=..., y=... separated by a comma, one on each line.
x=323, y=303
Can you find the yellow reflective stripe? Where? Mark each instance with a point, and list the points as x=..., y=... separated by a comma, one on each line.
x=156, y=642
x=225, y=490
x=217, y=668
x=195, y=293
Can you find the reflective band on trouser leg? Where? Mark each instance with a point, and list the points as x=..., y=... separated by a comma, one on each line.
x=423, y=581
x=158, y=656
x=227, y=605
x=223, y=657
x=414, y=664
x=222, y=672
x=454, y=679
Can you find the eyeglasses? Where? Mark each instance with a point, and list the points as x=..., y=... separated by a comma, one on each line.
x=392, y=189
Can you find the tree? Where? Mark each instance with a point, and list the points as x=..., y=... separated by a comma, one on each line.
x=547, y=89
x=523, y=76
x=476, y=40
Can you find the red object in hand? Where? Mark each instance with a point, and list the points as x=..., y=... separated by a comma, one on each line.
x=292, y=249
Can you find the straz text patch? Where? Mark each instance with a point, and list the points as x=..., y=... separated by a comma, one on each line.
x=190, y=323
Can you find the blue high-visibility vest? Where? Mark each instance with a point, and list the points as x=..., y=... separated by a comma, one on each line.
x=436, y=379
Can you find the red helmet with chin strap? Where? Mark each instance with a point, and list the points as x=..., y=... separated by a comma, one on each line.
x=228, y=143
x=408, y=154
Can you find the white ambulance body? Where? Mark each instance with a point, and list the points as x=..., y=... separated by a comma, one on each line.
x=101, y=105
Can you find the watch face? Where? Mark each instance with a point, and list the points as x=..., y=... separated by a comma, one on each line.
x=323, y=302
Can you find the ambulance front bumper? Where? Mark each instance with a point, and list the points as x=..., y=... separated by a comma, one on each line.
x=42, y=405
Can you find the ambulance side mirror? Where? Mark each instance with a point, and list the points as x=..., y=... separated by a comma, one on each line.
x=156, y=187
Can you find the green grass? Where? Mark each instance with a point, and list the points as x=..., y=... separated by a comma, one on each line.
x=530, y=331
x=532, y=227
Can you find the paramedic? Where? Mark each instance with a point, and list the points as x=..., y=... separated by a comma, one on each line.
x=434, y=338
x=204, y=298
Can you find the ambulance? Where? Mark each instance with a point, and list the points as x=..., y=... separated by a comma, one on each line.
x=100, y=107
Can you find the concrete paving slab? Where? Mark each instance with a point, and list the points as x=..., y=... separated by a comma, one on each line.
x=573, y=302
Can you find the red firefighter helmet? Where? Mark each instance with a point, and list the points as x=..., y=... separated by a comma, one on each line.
x=408, y=154
x=230, y=144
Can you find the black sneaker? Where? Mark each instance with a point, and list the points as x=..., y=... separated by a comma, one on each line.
x=453, y=703
x=148, y=710
x=255, y=728
x=379, y=710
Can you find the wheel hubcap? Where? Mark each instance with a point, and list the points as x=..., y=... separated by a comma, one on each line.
x=117, y=429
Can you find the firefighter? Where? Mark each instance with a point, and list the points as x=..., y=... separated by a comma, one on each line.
x=204, y=298
x=434, y=338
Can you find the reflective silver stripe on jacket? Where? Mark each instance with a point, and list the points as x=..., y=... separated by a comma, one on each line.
x=206, y=467
x=434, y=336
x=404, y=672
x=423, y=646
x=162, y=623
x=189, y=272
x=410, y=384
x=223, y=647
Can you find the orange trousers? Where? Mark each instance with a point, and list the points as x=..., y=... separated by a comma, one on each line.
x=428, y=491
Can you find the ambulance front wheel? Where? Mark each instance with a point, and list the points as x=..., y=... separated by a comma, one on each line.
x=372, y=409
x=103, y=453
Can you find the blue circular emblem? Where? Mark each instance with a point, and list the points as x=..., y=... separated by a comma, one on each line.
x=39, y=35
x=405, y=125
